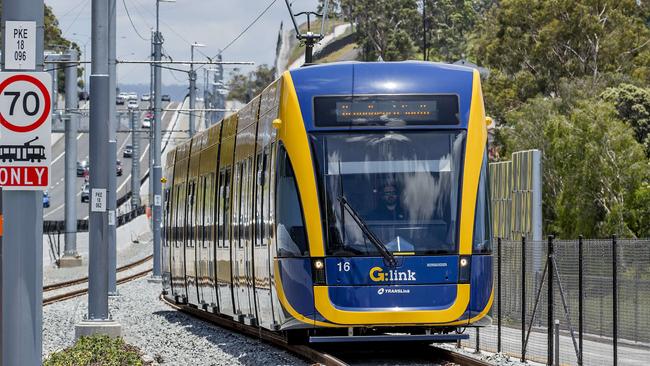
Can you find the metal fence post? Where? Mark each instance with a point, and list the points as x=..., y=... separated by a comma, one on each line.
x=556, y=327
x=580, y=300
x=551, y=271
x=614, y=300
x=477, y=349
x=523, y=298
x=498, y=294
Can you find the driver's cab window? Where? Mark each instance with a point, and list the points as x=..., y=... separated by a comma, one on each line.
x=290, y=227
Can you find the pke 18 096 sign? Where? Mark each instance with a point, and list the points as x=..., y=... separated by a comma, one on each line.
x=25, y=130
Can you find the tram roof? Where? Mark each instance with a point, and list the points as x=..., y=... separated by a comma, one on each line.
x=366, y=78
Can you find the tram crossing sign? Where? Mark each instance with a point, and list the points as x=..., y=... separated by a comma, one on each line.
x=25, y=130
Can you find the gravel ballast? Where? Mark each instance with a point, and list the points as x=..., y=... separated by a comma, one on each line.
x=162, y=333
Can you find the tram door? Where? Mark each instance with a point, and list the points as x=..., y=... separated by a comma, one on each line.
x=243, y=213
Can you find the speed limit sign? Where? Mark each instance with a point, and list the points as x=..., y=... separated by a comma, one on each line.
x=25, y=130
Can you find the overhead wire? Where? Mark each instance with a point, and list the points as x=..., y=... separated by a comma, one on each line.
x=126, y=9
x=76, y=17
x=251, y=24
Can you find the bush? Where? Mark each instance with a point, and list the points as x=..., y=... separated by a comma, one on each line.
x=97, y=350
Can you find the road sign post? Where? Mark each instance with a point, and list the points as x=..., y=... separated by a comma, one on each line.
x=70, y=256
x=25, y=139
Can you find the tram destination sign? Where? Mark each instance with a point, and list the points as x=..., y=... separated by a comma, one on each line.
x=25, y=130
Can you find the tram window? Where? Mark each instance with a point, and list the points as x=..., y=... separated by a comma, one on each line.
x=290, y=228
x=226, y=209
x=482, y=229
x=204, y=211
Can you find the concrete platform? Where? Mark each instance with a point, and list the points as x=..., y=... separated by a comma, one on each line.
x=110, y=328
x=70, y=261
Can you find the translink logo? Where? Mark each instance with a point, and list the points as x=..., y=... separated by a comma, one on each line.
x=377, y=274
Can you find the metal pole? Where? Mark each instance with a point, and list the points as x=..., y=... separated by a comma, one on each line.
x=22, y=244
x=523, y=299
x=477, y=349
x=135, y=161
x=99, y=319
x=499, y=295
x=157, y=169
x=549, y=325
x=151, y=107
x=581, y=298
x=112, y=152
x=556, y=341
x=70, y=256
x=615, y=300
x=192, y=76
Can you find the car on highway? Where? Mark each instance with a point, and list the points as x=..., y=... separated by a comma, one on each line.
x=132, y=96
x=165, y=98
x=82, y=168
x=133, y=104
x=118, y=168
x=85, y=193
x=120, y=99
x=83, y=95
x=148, y=115
x=128, y=151
x=145, y=97
x=46, y=199
x=146, y=123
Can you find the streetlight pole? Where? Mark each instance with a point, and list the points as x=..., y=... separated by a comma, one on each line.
x=157, y=168
x=192, y=76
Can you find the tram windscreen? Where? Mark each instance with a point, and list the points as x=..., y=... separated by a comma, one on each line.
x=404, y=185
x=386, y=110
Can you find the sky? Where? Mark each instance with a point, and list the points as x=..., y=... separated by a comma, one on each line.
x=213, y=23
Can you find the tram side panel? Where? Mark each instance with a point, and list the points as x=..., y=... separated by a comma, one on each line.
x=192, y=200
x=263, y=200
x=225, y=227
x=207, y=265
x=241, y=213
x=169, y=214
x=178, y=251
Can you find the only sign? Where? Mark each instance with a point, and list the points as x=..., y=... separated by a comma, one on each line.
x=25, y=130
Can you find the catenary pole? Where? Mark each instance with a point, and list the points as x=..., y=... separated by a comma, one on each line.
x=157, y=169
x=98, y=318
x=135, y=160
x=112, y=150
x=70, y=256
x=22, y=244
x=151, y=108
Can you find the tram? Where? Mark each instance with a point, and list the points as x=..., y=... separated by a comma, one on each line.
x=348, y=200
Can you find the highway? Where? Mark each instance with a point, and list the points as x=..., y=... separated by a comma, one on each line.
x=56, y=211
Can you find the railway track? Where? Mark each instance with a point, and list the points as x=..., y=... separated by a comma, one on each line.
x=340, y=354
x=80, y=281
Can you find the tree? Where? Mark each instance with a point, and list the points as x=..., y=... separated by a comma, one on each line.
x=385, y=28
x=552, y=40
x=596, y=175
x=449, y=24
x=633, y=106
x=245, y=87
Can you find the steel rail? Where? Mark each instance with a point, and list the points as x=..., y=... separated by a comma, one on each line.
x=78, y=281
x=275, y=339
x=83, y=291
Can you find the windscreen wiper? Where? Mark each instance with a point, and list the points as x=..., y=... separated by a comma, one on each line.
x=381, y=247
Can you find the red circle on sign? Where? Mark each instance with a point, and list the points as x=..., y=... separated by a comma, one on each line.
x=46, y=110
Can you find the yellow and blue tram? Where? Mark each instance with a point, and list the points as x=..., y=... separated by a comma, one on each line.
x=348, y=199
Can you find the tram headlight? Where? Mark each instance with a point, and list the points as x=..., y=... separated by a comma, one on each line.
x=318, y=272
x=464, y=268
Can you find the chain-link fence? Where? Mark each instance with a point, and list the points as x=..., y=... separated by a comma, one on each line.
x=598, y=315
